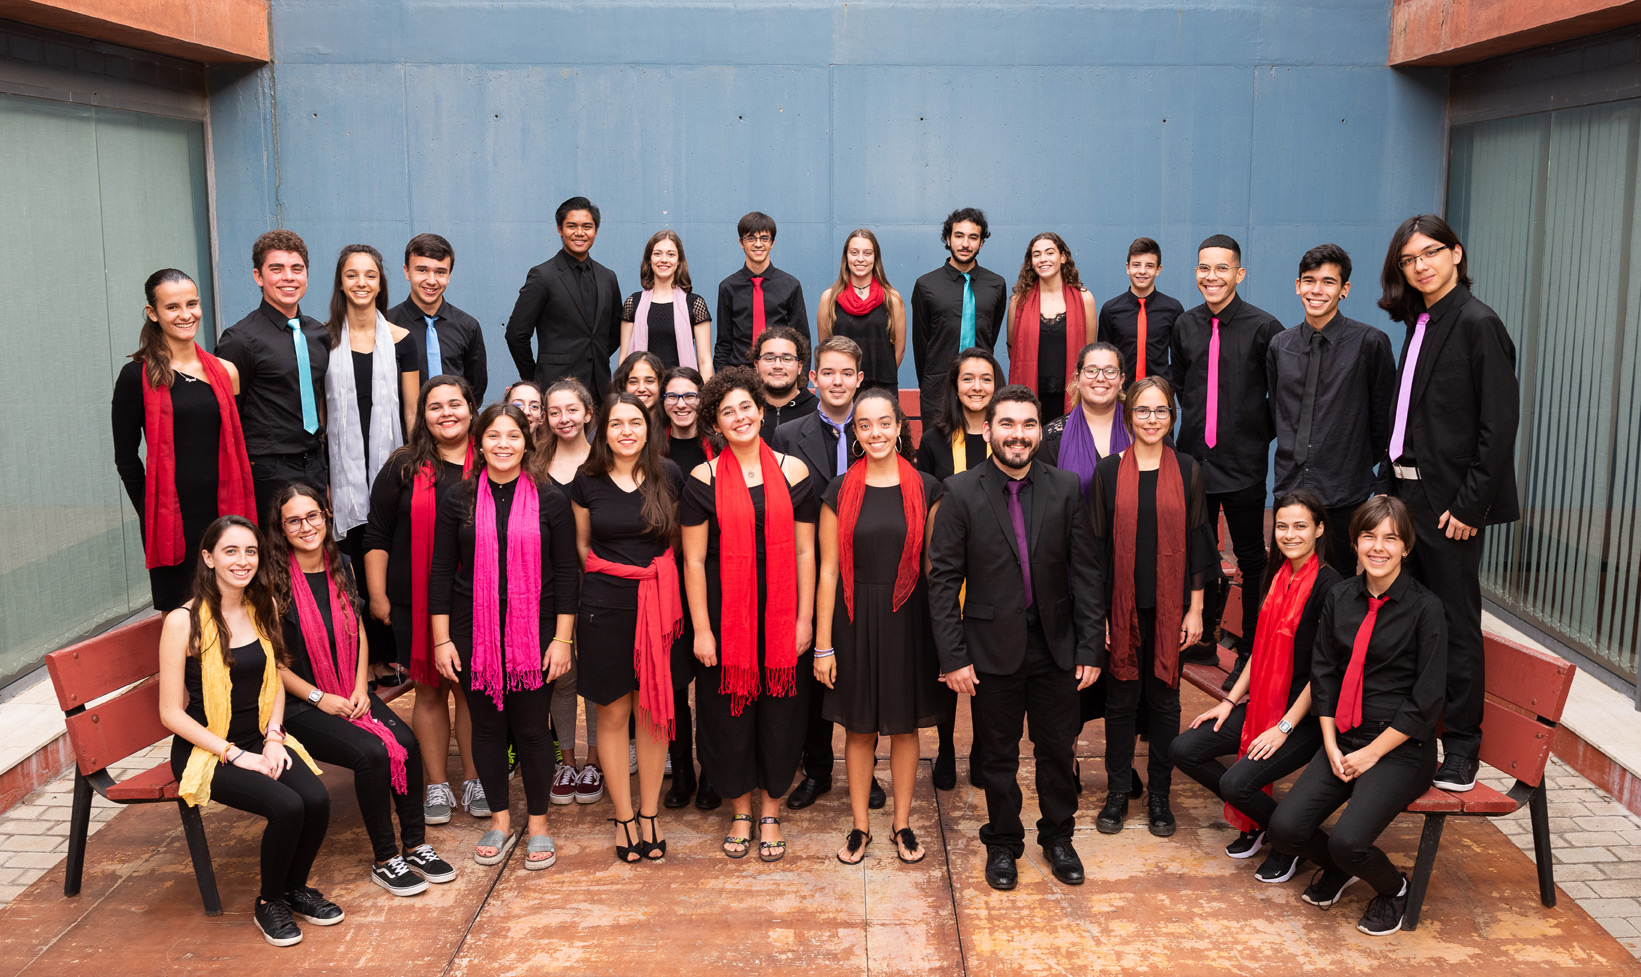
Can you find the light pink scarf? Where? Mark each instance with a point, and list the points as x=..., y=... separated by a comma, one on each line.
x=521, y=668
x=682, y=333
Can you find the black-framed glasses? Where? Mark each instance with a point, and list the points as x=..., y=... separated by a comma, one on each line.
x=1426, y=255
x=784, y=359
x=1096, y=372
x=759, y=239
x=688, y=398
x=1146, y=413
x=294, y=524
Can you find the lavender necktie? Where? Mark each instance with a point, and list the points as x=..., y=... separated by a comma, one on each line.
x=843, y=440
x=1398, y=434
x=1017, y=516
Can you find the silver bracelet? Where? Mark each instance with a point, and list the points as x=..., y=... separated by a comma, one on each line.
x=824, y=652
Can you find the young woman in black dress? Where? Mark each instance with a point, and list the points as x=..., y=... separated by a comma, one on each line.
x=1051, y=317
x=874, y=650
x=180, y=399
x=666, y=318
x=862, y=305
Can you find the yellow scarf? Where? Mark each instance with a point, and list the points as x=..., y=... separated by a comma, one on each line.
x=960, y=451
x=218, y=687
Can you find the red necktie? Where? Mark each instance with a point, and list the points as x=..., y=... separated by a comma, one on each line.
x=1347, y=715
x=757, y=308
x=1139, y=359
x=1211, y=434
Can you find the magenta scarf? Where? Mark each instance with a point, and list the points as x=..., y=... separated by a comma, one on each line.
x=328, y=670
x=522, y=666
x=683, y=335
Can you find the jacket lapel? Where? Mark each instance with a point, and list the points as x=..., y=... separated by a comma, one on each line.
x=1437, y=333
x=1039, y=507
x=992, y=477
x=570, y=290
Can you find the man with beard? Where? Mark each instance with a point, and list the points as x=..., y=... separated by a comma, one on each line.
x=1025, y=643
x=782, y=358
x=956, y=306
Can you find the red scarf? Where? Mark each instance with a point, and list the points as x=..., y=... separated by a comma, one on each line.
x=911, y=551
x=857, y=306
x=162, y=515
x=737, y=569
x=424, y=510
x=327, y=673
x=1171, y=550
x=1270, y=668
x=1023, y=350
x=660, y=622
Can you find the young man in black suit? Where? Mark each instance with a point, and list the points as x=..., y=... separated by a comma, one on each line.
x=447, y=339
x=1452, y=453
x=571, y=304
x=1140, y=321
x=958, y=305
x=1027, y=642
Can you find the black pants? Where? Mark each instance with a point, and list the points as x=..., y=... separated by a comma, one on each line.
x=332, y=739
x=1122, y=702
x=524, y=717
x=1242, y=785
x=682, y=747
x=1245, y=518
x=270, y=473
x=1341, y=549
x=1375, y=798
x=383, y=643
x=1042, y=695
x=760, y=747
x=817, y=732
x=296, y=807
x=1451, y=568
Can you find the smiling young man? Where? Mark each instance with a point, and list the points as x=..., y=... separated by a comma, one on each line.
x=781, y=356
x=1218, y=366
x=756, y=297
x=1332, y=385
x=447, y=340
x=1452, y=453
x=1140, y=321
x=282, y=356
x=956, y=306
x=571, y=304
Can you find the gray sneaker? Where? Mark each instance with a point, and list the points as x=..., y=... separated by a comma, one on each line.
x=473, y=799
x=437, y=804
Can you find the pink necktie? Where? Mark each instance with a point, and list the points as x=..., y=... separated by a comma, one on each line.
x=1398, y=434
x=1211, y=434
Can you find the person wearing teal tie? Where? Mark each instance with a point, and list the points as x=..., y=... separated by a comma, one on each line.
x=282, y=356
x=956, y=306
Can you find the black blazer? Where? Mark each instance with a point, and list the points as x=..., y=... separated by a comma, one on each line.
x=568, y=344
x=974, y=540
x=1463, y=412
x=806, y=438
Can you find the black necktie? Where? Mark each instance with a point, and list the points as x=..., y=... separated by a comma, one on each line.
x=584, y=281
x=1307, y=403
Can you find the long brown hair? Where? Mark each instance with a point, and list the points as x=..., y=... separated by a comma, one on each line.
x=544, y=455
x=843, y=262
x=1401, y=300
x=153, y=351
x=660, y=508
x=339, y=299
x=529, y=465
x=258, y=596
x=422, y=447
x=279, y=551
x=1068, y=271
x=646, y=274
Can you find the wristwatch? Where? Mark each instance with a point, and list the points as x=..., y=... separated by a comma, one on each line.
x=316, y=695
x=1285, y=726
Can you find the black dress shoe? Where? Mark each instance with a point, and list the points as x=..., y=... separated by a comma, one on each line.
x=1161, y=816
x=1113, y=814
x=945, y=770
x=1236, y=673
x=875, y=799
x=707, y=799
x=679, y=793
x=1063, y=860
x=1001, y=872
x=806, y=793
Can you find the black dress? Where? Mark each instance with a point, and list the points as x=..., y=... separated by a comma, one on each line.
x=663, y=341
x=196, y=430
x=888, y=677
x=1051, y=364
x=871, y=331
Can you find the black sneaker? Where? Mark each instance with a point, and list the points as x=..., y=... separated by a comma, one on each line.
x=396, y=877
x=1161, y=816
x=1278, y=867
x=1457, y=774
x=1247, y=844
x=307, y=904
x=1113, y=814
x=1327, y=885
x=273, y=918
x=1384, y=913
x=424, y=861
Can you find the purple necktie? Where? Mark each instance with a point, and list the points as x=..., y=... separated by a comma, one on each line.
x=843, y=439
x=1017, y=516
x=1398, y=434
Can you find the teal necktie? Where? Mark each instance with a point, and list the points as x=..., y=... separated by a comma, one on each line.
x=304, y=378
x=966, y=337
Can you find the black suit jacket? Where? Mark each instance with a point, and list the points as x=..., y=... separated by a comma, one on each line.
x=1463, y=412
x=808, y=439
x=974, y=540
x=567, y=343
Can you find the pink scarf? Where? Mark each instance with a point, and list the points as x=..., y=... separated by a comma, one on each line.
x=522, y=666
x=683, y=335
x=328, y=672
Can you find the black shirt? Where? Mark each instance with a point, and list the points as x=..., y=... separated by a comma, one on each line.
x=804, y=404
x=1351, y=418
x=618, y=533
x=783, y=306
x=663, y=341
x=687, y=453
x=934, y=453
x=461, y=342
x=1304, y=634
x=270, y=402
x=1239, y=458
x=1404, y=679
x=388, y=526
x=937, y=318
x=297, y=646
x=1120, y=326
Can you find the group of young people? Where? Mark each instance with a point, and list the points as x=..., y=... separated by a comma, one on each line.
x=697, y=515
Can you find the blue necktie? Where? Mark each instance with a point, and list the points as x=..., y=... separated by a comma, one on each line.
x=304, y=378
x=966, y=337
x=435, y=363
x=843, y=440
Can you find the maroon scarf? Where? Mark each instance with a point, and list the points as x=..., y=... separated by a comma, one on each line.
x=1171, y=562
x=1023, y=350
x=424, y=510
x=850, y=496
x=738, y=568
x=857, y=306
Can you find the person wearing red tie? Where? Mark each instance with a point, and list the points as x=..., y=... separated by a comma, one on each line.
x=1140, y=321
x=1378, y=675
x=756, y=297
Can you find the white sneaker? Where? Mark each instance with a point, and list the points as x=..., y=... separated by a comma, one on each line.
x=632, y=757
x=473, y=799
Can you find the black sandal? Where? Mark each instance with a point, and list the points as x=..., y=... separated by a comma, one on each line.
x=651, y=850
x=745, y=841
x=904, y=837
x=766, y=847
x=856, y=843
x=633, y=847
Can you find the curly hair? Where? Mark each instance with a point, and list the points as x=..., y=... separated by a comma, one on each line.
x=277, y=240
x=730, y=378
x=1028, y=275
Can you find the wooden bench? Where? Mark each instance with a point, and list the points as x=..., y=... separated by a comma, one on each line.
x=108, y=731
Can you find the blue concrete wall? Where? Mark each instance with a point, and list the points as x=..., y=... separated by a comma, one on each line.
x=1269, y=120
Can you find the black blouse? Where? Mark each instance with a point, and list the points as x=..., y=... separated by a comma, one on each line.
x=700, y=506
x=662, y=341
x=388, y=527
x=1404, y=678
x=1304, y=635
x=618, y=533
x=1199, y=539
x=934, y=453
x=297, y=647
x=686, y=453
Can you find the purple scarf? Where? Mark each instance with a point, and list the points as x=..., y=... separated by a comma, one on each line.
x=522, y=666
x=1077, y=450
x=683, y=335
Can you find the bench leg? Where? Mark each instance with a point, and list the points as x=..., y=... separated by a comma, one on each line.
x=1429, y=841
x=193, y=828
x=79, y=826
x=1538, y=809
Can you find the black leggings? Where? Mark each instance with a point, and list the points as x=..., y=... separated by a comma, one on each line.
x=332, y=739
x=525, y=714
x=296, y=807
x=1122, y=703
x=1197, y=752
x=1245, y=520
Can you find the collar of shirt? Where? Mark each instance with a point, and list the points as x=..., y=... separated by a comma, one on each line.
x=579, y=264
x=957, y=276
x=276, y=317
x=1452, y=300
x=1227, y=315
x=838, y=426
x=1031, y=469
x=1330, y=330
x=1397, y=590
x=744, y=273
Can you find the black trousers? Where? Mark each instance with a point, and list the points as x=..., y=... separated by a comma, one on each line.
x=1451, y=568
x=270, y=473
x=817, y=731
x=1341, y=549
x=1242, y=785
x=296, y=807
x=1245, y=519
x=1042, y=695
x=1375, y=799
x=523, y=717
x=682, y=747
x=381, y=638
x=334, y=740
x=760, y=747
x=1122, y=703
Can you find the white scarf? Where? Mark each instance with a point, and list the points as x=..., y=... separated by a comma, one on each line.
x=683, y=335
x=351, y=472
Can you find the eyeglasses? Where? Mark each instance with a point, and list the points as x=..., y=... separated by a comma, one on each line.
x=316, y=519
x=1426, y=255
x=765, y=239
x=527, y=408
x=1096, y=372
x=784, y=359
x=688, y=398
x=1146, y=413
x=1218, y=269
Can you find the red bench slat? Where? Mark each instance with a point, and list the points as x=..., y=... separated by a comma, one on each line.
x=115, y=729
x=1435, y=801
x=911, y=402
x=97, y=666
x=1517, y=745
x=157, y=783
x=1230, y=620
x=1537, y=681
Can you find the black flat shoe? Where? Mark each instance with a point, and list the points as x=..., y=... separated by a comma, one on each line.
x=945, y=770
x=807, y=792
x=1001, y=872
x=855, y=844
x=875, y=798
x=273, y=919
x=1113, y=814
x=706, y=799
x=1063, y=860
x=679, y=793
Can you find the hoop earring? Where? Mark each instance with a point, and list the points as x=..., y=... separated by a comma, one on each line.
x=858, y=450
x=900, y=447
